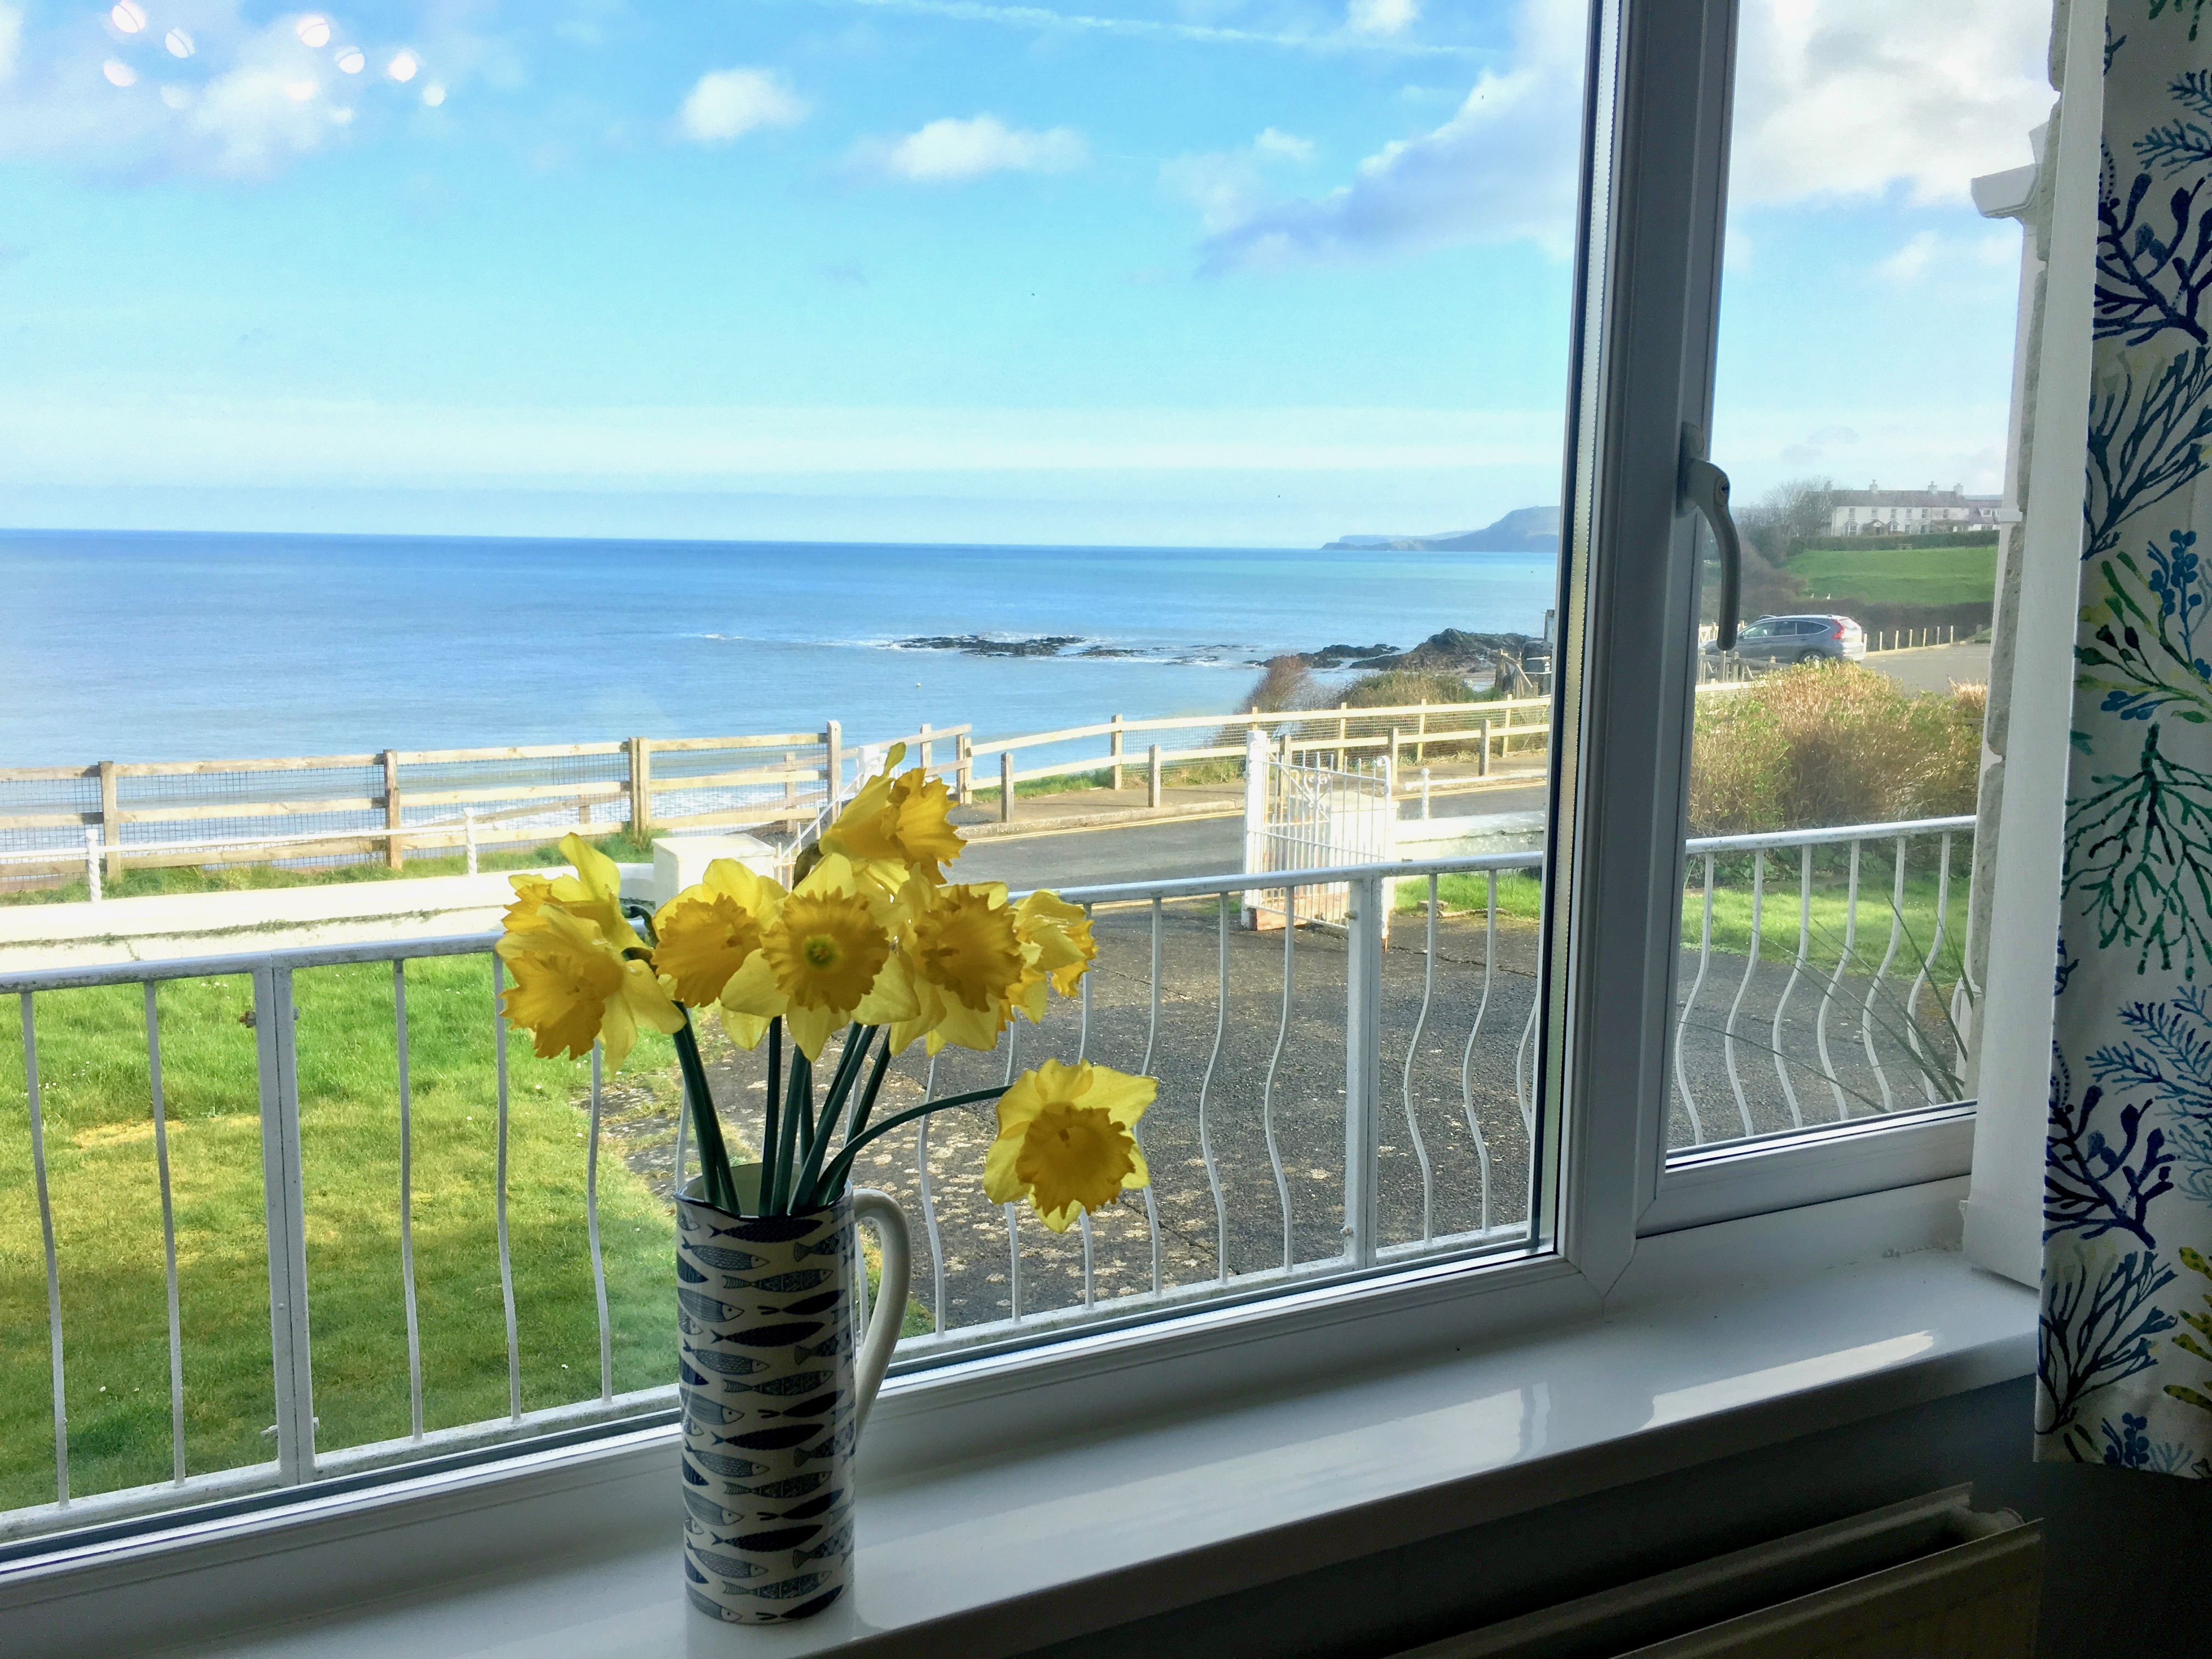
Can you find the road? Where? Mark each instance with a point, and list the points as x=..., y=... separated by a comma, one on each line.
x=1160, y=851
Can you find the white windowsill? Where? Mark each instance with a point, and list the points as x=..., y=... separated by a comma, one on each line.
x=1720, y=1339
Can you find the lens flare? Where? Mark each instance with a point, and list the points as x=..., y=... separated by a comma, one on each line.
x=130, y=17
x=118, y=74
x=352, y=61
x=434, y=94
x=179, y=43
x=402, y=66
x=313, y=31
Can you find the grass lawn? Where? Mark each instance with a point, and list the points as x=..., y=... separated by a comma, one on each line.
x=1519, y=897
x=1931, y=576
x=106, y=1204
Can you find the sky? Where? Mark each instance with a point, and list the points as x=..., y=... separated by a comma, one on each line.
x=1178, y=272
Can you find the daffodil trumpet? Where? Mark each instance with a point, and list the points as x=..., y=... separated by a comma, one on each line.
x=871, y=937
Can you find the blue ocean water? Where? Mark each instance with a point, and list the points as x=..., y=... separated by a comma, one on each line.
x=137, y=646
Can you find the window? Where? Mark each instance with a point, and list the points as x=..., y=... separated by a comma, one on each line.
x=605, y=426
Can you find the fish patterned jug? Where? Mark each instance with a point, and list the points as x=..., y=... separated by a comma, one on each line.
x=774, y=1394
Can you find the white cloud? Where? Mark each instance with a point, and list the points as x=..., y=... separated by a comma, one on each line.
x=1283, y=146
x=949, y=151
x=1834, y=99
x=11, y=40
x=729, y=103
x=1932, y=254
x=1381, y=16
x=1503, y=167
x=1228, y=186
x=1849, y=98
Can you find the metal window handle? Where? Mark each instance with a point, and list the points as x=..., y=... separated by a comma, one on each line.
x=1700, y=484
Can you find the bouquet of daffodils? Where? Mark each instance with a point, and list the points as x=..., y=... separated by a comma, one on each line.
x=871, y=938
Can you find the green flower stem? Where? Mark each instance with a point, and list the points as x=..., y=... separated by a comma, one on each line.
x=706, y=1128
x=834, y=1178
x=770, y=1125
x=798, y=1103
x=833, y=1105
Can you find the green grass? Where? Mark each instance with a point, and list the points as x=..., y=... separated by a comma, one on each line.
x=100, y=1154
x=1519, y=898
x=621, y=847
x=1933, y=573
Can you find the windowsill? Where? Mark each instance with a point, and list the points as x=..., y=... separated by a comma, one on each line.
x=1690, y=1361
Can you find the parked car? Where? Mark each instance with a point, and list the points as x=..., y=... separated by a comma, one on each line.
x=1798, y=639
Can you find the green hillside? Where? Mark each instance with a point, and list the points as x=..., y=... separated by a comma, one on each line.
x=1932, y=574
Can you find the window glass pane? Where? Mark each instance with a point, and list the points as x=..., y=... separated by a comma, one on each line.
x=1865, y=371
x=431, y=433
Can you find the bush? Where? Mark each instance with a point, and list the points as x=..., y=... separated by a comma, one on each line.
x=1395, y=687
x=1822, y=744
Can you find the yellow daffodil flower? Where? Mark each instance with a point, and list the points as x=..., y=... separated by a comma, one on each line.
x=1061, y=949
x=572, y=989
x=967, y=959
x=1065, y=1141
x=532, y=895
x=594, y=894
x=897, y=827
x=830, y=959
x=712, y=932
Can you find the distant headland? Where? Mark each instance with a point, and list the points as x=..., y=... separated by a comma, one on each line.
x=1524, y=530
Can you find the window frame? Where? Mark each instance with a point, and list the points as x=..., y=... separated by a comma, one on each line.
x=1655, y=132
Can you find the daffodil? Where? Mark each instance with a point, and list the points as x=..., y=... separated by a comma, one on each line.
x=572, y=989
x=830, y=959
x=1066, y=1140
x=967, y=959
x=592, y=895
x=897, y=827
x=712, y=932
x=1057, y=936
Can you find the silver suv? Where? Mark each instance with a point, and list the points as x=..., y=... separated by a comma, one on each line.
x=1798, y=639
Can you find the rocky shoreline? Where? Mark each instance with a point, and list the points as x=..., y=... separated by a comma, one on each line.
x=1450, y=650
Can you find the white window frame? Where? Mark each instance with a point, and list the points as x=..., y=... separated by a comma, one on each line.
x=1647, y=282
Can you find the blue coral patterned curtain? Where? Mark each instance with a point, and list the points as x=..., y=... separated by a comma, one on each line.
x=2126, y=1364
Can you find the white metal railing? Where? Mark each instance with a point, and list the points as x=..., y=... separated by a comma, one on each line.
x=1266, y=1171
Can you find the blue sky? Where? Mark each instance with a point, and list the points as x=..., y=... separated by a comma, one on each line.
x=1236, y=271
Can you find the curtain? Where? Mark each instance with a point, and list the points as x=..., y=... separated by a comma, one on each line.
x=2124, y=1371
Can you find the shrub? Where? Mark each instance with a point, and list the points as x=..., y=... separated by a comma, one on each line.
x=1286, y=683
x=1394, y=687
x=1821, y=745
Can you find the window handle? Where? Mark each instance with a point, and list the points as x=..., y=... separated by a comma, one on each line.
x=1700, y=484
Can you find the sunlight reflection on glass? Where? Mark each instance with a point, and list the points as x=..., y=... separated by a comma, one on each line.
x=175, y=97
x=352, y=60
x=129, y=16
x=402, y=66
x=118, y=74
x=314, y=30
x=179, y=43
x=434, y=94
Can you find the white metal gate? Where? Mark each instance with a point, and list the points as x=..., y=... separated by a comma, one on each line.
x=1304, y=812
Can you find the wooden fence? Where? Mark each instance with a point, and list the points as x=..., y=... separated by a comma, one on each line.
x=58, y=821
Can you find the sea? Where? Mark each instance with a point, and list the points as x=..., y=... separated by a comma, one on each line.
x=169, y=646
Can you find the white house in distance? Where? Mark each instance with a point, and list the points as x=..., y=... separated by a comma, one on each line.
x=1875, y=511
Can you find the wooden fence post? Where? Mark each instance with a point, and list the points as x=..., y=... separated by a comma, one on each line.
x=1114, y=748
x=790, y=783
x=922, y=744
x=1152, y=771
x=1482, y=766
x=1342, y=729
x=833, y=742
x=1421, y=737
x=1393, y=751
x=640, y=788
x=963, y=769
x=1005, y=786
x=110, y=827
x=395, y=855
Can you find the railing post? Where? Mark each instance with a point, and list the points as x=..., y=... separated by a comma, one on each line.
x=276, y=1061
x=1394, y=754
x=1363, y=1067
x=1343, y=728
x=640, y=788
x=91, y=863
x=468, y=837
x=1005, y=786
x=964, y=770
x=923, y=745
x=1425, y=794
x=833, y=745
x=395, y=855
x=1421, y=734
x=1153, y=777
x=1114, y=748
x=1256, y=750
x=111, y=825
x=1482, y=766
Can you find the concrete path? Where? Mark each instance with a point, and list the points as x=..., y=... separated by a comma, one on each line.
x=1934, y=668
